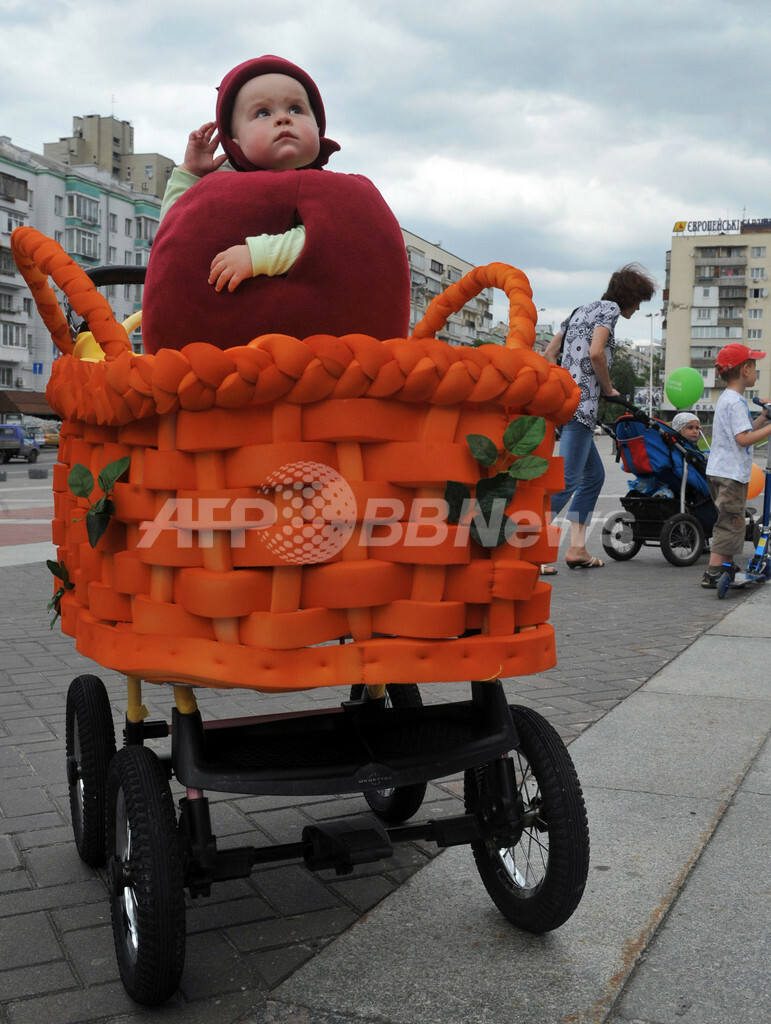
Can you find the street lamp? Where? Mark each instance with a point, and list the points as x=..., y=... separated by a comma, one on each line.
x=650, y=366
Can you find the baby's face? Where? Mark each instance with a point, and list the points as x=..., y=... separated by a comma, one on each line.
x=273, y=123
x=691, y=431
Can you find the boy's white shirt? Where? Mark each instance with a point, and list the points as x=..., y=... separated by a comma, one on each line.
x=271, y=254
x=727, y=458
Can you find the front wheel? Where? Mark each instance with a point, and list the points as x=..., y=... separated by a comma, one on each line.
x=401, y=802
x=32, y=456
x=536, y=876
x=147, y=900
x=618, y=536
x=682, y=539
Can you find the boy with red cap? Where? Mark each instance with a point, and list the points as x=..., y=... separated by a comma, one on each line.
x=734, y=433
x=320, y=252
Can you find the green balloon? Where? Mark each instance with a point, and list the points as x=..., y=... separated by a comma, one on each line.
x=684, y=387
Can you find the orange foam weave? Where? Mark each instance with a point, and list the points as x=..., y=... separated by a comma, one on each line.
x=391, y=417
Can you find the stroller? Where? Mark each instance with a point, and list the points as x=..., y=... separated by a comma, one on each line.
x=213, y=602
x=669, y=503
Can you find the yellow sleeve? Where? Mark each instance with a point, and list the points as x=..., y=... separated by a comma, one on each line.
x=275, y=254
x=179, y=182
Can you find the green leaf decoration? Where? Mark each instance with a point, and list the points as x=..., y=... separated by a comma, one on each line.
x=98, y=519
x=524, y=434
x=112, y=472
x=455, y=494
x=482, y=448
x=529, y=467
x=80, y=480
x=491, y=534
x=500, y=487
x=59, y=571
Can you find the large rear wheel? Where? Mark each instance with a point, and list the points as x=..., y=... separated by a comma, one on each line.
x=618, y=536
x=90, y=745
x=146, y=876
x=535, y=873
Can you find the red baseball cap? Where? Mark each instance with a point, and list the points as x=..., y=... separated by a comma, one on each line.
x=734, y=354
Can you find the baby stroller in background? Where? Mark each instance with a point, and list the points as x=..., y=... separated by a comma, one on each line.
x=669, y=504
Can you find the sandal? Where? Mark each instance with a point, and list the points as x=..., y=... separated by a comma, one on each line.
x=548, y=570
x=585, y=563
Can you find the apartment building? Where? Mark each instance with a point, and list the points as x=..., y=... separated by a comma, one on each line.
x=96, y=220
x=716, y=292
x=107, y=143
x=432, y=269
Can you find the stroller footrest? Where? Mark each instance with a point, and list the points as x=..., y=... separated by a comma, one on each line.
x=352, y=749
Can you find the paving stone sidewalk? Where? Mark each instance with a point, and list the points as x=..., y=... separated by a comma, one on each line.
x=616, y=627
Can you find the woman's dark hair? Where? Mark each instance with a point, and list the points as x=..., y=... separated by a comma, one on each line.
x=630, y=285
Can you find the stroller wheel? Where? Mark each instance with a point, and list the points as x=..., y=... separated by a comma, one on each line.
x=146, y=876
x=618, y=536
x=536, y=875
x=400, y=803
x=90, y=741
x=682, y=539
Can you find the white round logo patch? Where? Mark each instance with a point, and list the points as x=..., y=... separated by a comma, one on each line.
x=315, y=513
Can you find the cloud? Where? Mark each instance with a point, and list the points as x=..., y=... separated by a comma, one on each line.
x=565, y=139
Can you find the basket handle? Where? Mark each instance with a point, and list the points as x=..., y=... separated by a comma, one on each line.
x=522, y=312
x=39, y=258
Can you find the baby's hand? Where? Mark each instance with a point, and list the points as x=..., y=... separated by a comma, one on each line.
x=199, y=153
x=231, y=267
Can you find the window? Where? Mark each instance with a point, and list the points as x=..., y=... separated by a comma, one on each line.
x=730, y=312
x=59, y=237
x=59, y=205
x=11, y=221
x=6, y=377
x=112, y=254
x=128, y=257
x=716, y=332
x=705, y=293
x=6, y=302
x=127, y=227
x=437, y=267
x=146, y=228
x=416, y=258
x=82, y=243
x=703, y=313
x=148, y=170
x=84, y=208
x=758, y=252
x=113, y=222
x=12, y=188
x=454, y=274
x=758, y=273
x=27, y=306
x=7, y=265
x=754, y=314
x=754, y=334
x=13, y=335
x=758, y=293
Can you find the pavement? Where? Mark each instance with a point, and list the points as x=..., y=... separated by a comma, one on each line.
x=661, y=695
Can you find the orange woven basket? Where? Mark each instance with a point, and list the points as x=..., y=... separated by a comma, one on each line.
x=215, y=571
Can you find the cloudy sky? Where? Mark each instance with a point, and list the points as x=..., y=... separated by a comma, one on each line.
x=564, y=137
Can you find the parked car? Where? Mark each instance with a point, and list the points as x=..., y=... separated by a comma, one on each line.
x=17, y=442
x=51, y=437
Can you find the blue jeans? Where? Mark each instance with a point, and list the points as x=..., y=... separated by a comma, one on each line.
x=584, y=473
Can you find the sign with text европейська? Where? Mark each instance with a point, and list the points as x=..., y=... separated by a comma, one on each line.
x=722, y=226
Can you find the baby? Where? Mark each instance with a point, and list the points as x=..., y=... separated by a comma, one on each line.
x=687, y=424
x=317, y=252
